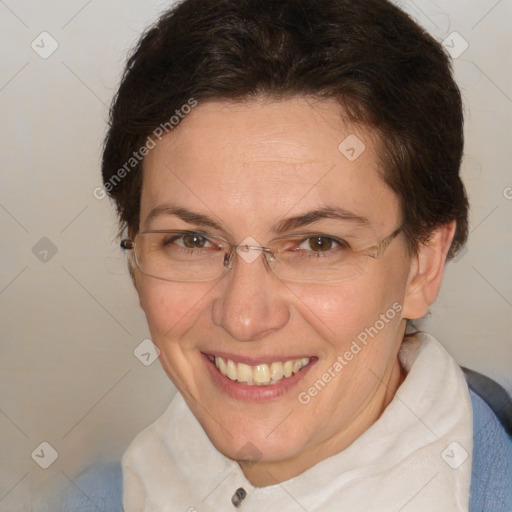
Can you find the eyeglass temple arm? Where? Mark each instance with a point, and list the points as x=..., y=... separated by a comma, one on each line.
x=377, y=251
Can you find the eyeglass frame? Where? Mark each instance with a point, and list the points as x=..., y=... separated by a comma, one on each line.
x=374, y=251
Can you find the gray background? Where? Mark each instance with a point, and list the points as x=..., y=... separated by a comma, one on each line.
x=69, y=317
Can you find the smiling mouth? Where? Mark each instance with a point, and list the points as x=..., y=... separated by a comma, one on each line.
x=260, y=374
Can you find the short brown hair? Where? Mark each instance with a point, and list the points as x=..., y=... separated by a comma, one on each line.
x=386, y=72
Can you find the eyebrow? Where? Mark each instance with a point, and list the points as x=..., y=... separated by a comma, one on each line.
x=184, y=214
x=317, y=215
x=282, y=226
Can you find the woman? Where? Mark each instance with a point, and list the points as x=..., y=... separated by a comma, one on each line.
x=287, y=173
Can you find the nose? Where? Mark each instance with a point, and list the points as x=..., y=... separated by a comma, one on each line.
x=250, y=305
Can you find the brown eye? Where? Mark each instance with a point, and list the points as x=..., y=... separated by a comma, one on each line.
x=194, y=241
x=320, y=243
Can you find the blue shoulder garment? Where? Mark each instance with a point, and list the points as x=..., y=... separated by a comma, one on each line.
x=98, y=488
x=491, y=481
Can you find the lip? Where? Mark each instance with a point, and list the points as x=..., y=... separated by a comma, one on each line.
x=255, y=393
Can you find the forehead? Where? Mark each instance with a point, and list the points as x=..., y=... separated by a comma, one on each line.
x=258, y=161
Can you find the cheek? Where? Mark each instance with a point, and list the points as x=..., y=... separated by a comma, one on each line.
x=340, y=312
x=170, y=308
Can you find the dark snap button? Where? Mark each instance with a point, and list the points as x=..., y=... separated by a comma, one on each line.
x=238, y=497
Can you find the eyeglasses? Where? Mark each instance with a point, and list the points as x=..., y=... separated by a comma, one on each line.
x=181, y=255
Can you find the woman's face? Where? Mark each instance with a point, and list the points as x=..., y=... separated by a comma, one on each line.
x=240, y=170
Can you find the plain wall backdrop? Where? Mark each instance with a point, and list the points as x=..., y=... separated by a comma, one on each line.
x=69, y=316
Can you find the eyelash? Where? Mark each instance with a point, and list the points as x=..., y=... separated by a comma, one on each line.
x=172, y=239
x=339, y=244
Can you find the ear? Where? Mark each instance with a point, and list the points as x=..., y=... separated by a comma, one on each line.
x=426, y=273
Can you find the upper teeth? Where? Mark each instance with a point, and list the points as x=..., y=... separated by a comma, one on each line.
x=261, y=374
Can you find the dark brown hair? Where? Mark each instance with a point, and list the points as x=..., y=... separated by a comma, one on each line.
x=386, y=72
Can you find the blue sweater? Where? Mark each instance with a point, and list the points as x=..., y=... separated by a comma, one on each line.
x=100, y=488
